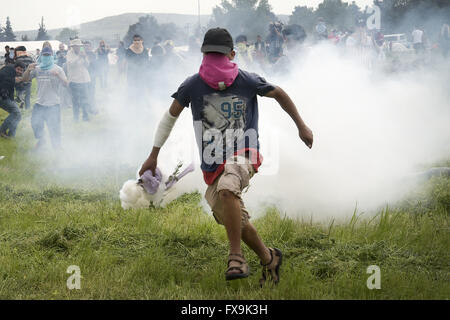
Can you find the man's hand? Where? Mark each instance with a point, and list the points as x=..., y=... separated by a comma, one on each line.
x=306, y=135
x=151, y=162
x=286, y=103
x=32, y=66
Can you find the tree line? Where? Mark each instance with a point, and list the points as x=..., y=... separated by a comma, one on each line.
x=252, y=18
x=7, y=34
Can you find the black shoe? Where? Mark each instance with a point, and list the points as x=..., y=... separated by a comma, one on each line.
x=5, y=136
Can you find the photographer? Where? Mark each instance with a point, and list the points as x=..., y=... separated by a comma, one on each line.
x=276, y=41
x=23, y=89
x=9, y=76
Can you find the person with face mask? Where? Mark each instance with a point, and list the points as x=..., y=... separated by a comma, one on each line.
x=8, y=59
x=49, y=76
x=61, y=55
x=78, y=75
x=9, y=76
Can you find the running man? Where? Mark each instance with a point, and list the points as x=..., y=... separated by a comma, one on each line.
x=225, y=112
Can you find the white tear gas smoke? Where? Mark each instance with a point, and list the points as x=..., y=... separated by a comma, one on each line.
x=371, y=129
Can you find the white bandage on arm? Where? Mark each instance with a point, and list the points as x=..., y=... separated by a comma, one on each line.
x=164, y=128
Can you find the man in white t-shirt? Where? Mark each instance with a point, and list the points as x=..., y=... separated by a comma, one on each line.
x=49, y=77
x=79, y=78
x=418, y=36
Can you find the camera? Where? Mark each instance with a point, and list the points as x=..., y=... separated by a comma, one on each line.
x=4, y=94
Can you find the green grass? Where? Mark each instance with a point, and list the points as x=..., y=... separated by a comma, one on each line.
x=180, y=252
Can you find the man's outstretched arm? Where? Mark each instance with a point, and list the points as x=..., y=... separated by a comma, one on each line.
x=162, y=133
x=288, y=105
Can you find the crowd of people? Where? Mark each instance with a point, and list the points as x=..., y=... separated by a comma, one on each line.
x=65, y=78
x=69, y=76
x=222, y=96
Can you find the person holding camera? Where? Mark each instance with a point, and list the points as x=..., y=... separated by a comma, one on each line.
x=276, y=41
x=9, y=76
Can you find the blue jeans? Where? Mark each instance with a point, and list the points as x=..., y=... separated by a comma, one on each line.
x=9, y=126
x=50, y=115
x=80, y=99
x=24, y=89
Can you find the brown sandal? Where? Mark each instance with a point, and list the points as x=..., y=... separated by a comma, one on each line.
x=243, y=268
x=273, y=267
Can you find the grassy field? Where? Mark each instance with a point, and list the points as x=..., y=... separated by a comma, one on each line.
x=180, y=252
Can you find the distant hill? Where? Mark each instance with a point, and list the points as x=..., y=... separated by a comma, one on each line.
x=114, y=28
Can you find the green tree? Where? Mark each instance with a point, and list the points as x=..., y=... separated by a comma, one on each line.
x=248, y=17
x=8, y=34
x=149, y=29
x=303, y=16
x=338, y=14
x=402, y=15
x=42, y=32
x=66, y=34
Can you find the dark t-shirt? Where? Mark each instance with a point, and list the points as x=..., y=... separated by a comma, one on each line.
x=7, y=81
x=225, y=122
x=137, y=66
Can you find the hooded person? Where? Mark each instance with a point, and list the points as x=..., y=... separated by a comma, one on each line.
x=224, y=106
x=23, y=89
x=46, y=110
x=78, y=75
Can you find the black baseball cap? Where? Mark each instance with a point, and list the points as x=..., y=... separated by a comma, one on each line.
x=217, y=40
x=21, y=48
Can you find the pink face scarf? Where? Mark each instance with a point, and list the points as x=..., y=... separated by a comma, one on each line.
x=218, y=71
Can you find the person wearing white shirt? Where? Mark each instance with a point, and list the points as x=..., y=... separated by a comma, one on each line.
x=78, y=76
x=418, y=36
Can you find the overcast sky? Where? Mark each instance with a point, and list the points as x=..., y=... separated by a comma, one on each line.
x=26, y=14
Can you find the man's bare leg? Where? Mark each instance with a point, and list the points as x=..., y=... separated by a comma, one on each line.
x=232, y=223
x=252, y=239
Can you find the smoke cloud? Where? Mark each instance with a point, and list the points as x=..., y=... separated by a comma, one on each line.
x=372, y=129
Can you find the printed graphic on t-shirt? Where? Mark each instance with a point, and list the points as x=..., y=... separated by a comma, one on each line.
x=226, y=114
